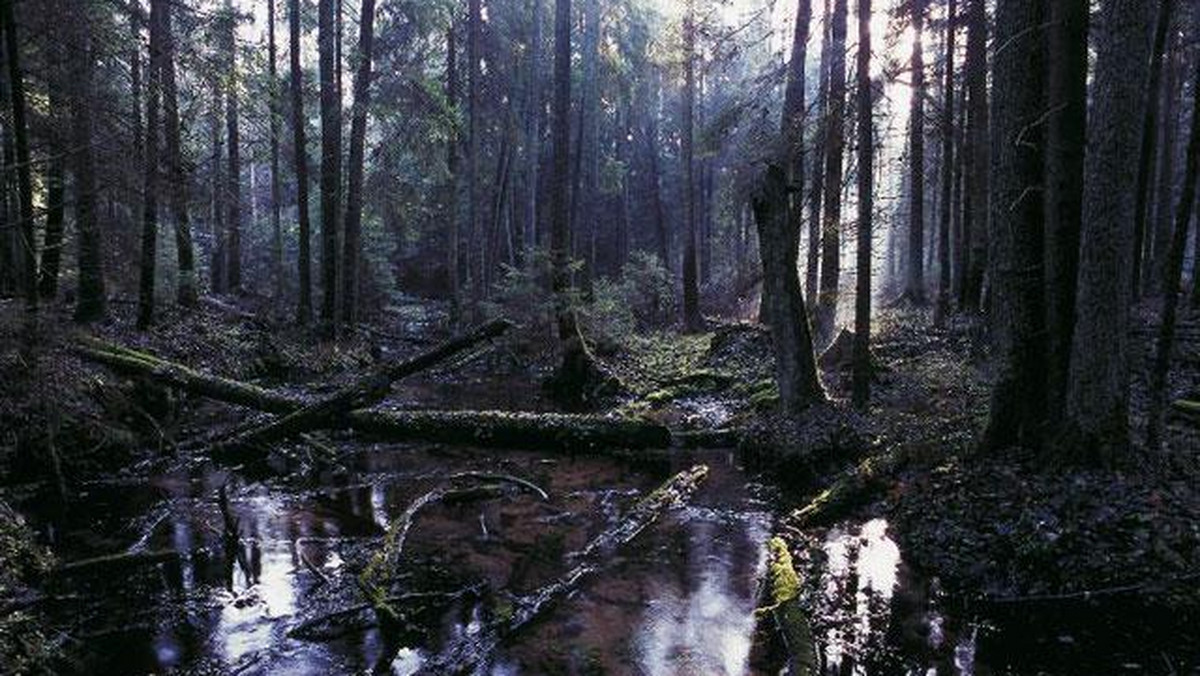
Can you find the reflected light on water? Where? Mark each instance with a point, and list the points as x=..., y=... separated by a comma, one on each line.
x=709, y=629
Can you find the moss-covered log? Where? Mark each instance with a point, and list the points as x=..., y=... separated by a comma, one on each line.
x=369, y=390
x=548, y=431
x=177, y=375
x=850, y=490
x=465, y=653
x=783, y=587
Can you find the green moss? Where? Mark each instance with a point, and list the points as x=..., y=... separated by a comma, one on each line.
x=784, y=581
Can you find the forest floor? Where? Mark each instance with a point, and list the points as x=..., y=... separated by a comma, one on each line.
x=1000, y=530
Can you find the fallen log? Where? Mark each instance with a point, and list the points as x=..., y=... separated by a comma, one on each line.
x=121, y=559
x=467, y=653
x=181, y=377
x=848, y=491
x=783, y=588
x=1187, y=408
x=546, y=431
x=366, y=391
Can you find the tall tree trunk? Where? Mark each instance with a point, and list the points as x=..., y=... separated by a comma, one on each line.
x=661, y=232
x=794, y=119
x=358, y=138
x=1165, y=191
x=813, y=262
x=915, y=278
x=1145, y=167
x=975, y=207
x=234, y=193
x=274, y=113
x=533, y=126
x=331, y=163
x=151, y=167
x=1172, y=272
x=588, y=152
x=946, y=206
x=959, y=235
x=1019, y=389
x=300, y=161
x=454, y=265
x=692, y=320
x=92, y=301
x=861, y=362
x=831, y=239
x=560, y=209
x=52, y=246
x=16, y=92
x=218, y=268
x=1066, y=138
x=782, y=298
x=1098, y=384
x=185, y=291
x=474, y=216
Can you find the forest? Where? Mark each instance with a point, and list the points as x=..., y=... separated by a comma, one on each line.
x=663, y=337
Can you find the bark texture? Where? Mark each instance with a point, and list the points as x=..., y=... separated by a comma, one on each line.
x=1098, y=385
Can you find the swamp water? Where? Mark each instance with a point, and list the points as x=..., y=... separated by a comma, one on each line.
x=679, y=599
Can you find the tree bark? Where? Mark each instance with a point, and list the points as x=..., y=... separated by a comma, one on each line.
x=533, y=127
x=692, y=320
x=942, y=307
x=151, y=168
x=453, y=263
x=92, y=302
x=185, y=290
x=813, y=263
x=55, y=194
x=1145, y=170
x=300, y=161
x=1165, y=191
x=831, y=242
x=331, y=164
x=1019, y=389
x=794, y=118
x=233, y=244
x=16, y=92
x=1098, y=383
x=474, y=217
x=1172, y=272
x=861, y=365
x=975, y=207
x=358, y=137
x=1066, y=139
x=914, y=287
x=274, y=112
x=782, y=297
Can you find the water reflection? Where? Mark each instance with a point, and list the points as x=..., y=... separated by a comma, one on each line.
x=875, y=617
x=707, y=627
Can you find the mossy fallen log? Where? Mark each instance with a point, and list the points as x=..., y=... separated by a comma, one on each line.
x=368, y=390
x=468, y=652
x=849, y=490
x=184, y=378
x=783, y=590
x=545, y=431
x=1187, y=408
